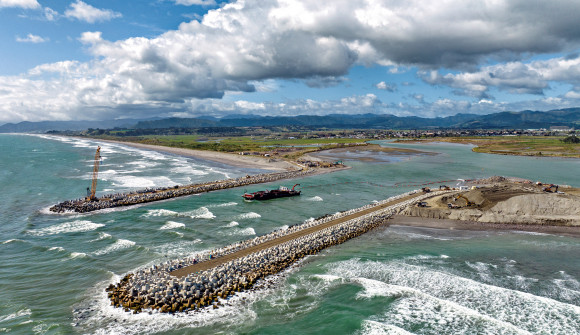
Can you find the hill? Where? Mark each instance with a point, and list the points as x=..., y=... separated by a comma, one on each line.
x=505, y=120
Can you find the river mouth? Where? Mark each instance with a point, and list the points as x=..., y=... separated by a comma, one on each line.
x=369, y=154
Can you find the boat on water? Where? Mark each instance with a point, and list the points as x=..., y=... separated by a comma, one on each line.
x=281, y=192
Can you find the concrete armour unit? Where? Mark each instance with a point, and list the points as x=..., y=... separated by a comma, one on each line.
x=203, y=279
x=150, y=195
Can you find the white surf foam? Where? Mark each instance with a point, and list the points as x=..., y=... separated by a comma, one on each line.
x=243, y=232
x=200, y=213
x=11, y=241
x=227, y=204
x=56, y=249
x=172, y=225
x=232, y=224
x=370, y=327
x=99, y=317
x=19, y=314
x=67, y=227
x=315, y=198
x=159, y=212
x=74, y=255
x=250, y=215
x=102, y=236
x=128, y=181
x=179, y=248
x=448, y=301
x=118, y=245
x=188, y=170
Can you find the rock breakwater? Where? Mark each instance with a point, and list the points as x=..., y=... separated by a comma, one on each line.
x=157, y=194
x=203, y=279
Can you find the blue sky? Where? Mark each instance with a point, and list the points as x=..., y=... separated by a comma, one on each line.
x=90, y=60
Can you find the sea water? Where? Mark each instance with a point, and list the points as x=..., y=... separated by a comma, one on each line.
x=393, y=280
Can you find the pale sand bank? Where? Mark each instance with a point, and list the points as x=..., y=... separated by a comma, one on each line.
x=253, y=162
x=402, y=220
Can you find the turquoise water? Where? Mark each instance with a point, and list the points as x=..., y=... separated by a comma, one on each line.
x=395, y=280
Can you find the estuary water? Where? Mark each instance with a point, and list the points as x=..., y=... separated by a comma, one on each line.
x=393, y=280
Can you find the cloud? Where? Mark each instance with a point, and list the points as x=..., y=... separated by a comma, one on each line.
x=386, y=87
x=246, y=42
x=324, y=82
x=50, y=14
x=195, y=2
x=420, y=98
x=30, y=38
x=514, y=77
x=85, y=12
x=28, y=4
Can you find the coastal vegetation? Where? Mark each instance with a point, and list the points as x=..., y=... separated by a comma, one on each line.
x=288, y=145
x=551, y=146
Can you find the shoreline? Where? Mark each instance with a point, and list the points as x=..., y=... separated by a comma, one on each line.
x=415, y=221
x=249, y=162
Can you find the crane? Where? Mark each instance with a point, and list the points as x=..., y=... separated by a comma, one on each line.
x=93, y=190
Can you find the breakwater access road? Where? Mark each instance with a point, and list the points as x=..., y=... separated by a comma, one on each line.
x=157, y=194
x=203, y=279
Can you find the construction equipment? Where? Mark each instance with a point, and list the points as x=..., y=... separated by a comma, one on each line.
x=467, y=202
x=426, y=189
x=551, y=189
x=91, y=195
x=444, y=187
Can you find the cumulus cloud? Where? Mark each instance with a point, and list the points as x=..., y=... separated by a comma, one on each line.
x=514, y=77
x=29, y=4
x=246, y=42
x=84, y=12
x=30, y=38
x=386, y=87
x=50, y=14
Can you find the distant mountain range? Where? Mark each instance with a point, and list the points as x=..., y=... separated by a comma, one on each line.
x=505, y=120
x=44, y=126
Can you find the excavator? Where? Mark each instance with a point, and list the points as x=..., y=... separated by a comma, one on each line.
x=551, y=189
x=91, y=193
x=457, y=197
x=467, y=202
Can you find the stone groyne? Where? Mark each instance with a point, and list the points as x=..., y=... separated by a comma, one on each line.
x=201, y=280
x=150, y=195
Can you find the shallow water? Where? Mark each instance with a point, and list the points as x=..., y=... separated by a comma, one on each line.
x=395, y=280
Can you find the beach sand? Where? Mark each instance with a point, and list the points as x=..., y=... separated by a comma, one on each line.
x=253, y=162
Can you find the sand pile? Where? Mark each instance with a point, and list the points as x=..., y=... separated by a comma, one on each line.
x=505, y=203
x=546, y=208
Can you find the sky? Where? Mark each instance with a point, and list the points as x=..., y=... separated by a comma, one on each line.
x=110, y=59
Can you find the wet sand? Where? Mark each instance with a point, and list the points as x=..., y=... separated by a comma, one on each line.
x=369, y=153
x=412, y=221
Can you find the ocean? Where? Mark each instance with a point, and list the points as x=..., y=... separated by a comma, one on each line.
x=393, y=280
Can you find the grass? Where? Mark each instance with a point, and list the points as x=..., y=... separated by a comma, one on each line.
x=287, y=148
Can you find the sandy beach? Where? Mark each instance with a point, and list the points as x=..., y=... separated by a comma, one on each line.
x=253, y=162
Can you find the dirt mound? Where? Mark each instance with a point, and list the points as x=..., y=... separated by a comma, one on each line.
x=507, y=203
